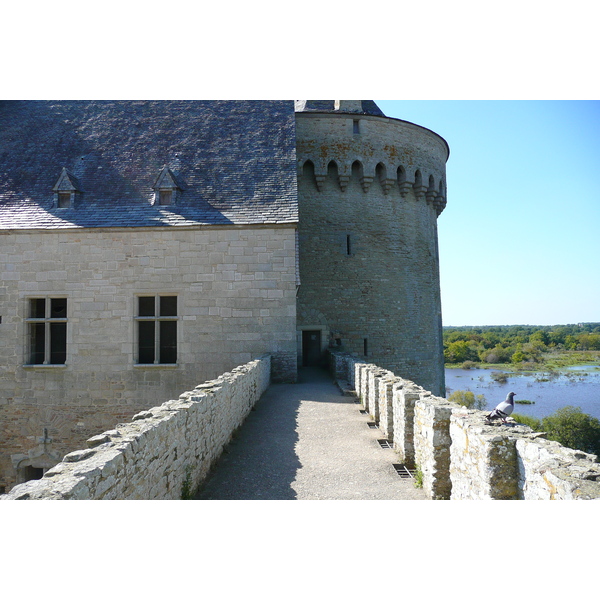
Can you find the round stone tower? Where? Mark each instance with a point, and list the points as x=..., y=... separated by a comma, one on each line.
x=370, y=189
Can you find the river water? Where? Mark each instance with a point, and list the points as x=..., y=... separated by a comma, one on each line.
x=576, y=386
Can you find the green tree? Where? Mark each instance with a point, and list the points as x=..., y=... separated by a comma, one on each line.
x=573, y=428
x=540, y=337
x=533, y=422
x=518, y=357
x=468, y=399
x=570, y=342
x=458, y=352
x=588, y=341
x=490, y=339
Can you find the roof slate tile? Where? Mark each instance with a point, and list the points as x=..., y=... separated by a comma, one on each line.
x=235, y=160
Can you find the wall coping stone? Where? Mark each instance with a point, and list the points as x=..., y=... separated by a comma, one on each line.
x=160, y=449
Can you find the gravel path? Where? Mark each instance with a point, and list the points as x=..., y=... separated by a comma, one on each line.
x=307, y=441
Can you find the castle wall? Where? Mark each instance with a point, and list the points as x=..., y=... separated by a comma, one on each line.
x=462, y=457
x=369, y=266
x=235, y=290
x=164, y=453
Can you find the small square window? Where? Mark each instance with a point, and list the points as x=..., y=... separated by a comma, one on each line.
x=165, y=197
x=64, y=199
x=146, y=306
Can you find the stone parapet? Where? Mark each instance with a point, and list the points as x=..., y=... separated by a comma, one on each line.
x=432, y=444
x=404, y=396
x=164, y=452
x=483, y=458
x=460, y=455
x=375, y=381
x=549, y=471
x=386, y=414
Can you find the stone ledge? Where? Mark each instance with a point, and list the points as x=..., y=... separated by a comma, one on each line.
x=152, y=456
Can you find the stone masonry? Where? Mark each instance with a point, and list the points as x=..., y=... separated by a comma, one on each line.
x=274, y=227
x=461, y=456
x=164, y=452
x=370, y=190
x=231, y=307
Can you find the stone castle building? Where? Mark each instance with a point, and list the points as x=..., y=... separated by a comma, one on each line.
x=146, y=246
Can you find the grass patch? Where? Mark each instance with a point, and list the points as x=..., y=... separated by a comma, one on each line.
x=418, y=477
x=187, y=493
x=533, y=422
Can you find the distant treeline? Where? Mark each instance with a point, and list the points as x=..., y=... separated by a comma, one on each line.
x=516, y=343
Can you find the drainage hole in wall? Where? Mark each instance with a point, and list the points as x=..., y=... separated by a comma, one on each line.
x=363, y=412
x=404, y=471
x=372, y=425
x=385, y=444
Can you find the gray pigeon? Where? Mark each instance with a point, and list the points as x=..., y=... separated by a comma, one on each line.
x=504, y=409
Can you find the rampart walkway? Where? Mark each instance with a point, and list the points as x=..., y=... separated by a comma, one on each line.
x=307, y=441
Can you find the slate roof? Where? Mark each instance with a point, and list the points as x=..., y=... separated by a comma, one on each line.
x=234, y=160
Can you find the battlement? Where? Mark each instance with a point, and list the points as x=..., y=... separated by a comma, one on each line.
x=460, y=455
x=400, y=157
x=370, y=190
x=391, y=179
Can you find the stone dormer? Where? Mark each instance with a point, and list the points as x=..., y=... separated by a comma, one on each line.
x=166, y=188
x=362, y=107
x=67, y=190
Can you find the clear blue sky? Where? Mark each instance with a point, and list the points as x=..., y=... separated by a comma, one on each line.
x=520, y=236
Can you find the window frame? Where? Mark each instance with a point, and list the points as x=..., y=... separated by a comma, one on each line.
x=166, y=196
x=64, y=199
x=47, y=321
x=158, y=347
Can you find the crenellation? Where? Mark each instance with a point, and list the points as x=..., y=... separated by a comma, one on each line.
x=362, y=222
x=460, y=455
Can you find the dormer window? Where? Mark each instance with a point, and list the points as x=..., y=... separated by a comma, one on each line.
x=166, y=188
x=66, y=190
x=64, y=200
x=165, y=197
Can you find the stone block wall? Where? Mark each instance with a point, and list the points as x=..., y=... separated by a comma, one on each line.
x=368, y=205
x=431, y=439
x=235, y=291
x=386, y=414
x=404, y=396
x=461, y=456
x=549, y=471
x=163, y=451
x=483, y=458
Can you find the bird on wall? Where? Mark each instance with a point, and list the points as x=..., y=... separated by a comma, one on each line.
x=504, y=409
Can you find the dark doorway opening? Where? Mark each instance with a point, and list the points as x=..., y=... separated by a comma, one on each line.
x=311, y=348
x=29, y=473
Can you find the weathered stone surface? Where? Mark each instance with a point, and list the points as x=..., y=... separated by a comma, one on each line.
x=549, y=471
x=483, y=458
x=368, y=253
x=386, y=414
x=404, y=396
x=461, y=455
x=432, y=444
x=228, y=314
x=152, y=456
